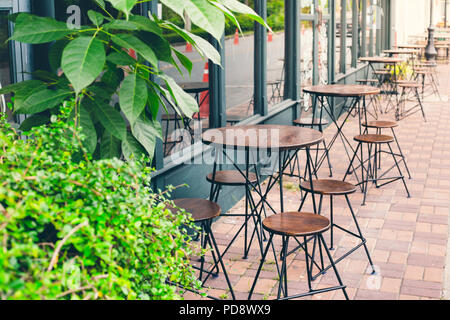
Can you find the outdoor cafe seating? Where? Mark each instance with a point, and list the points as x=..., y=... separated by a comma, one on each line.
x=381, y=102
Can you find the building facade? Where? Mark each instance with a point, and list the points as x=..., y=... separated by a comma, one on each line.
x=320, y=41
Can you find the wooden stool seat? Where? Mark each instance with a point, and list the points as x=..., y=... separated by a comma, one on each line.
x=309, y=122
x=382, y=72
x=423, y=72
x=231, y=178
x=296, y=224
x=200, y=209
x=410, y=84
x=380, y=124
x=329, y=187
x=374, y=138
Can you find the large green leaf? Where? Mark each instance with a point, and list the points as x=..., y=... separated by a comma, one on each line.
x=25, y=89
x=133, y=97
x=203, y=47
x=123, y=5
x=184, y=60
x=42, y=100
x=55, y=54
x=120, y=25
x=154, y=101
x=206, y=16
x=112, y=78
x=160, y=46
x=35, y=120
x=121, y=58
x=110, y=118
x=26, y=85
x=109, y=146
x=187, y=104
x=129, y=41
x=88, y=129
x=82, y=61
x=145, y=24
x=146, y=131
x=33, y=29
x=176, y=5
x=131, y=148
x=239, y=7
x=96, y=17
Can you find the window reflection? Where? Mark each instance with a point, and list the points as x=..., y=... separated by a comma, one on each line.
x=275, y=52
x=5, y=60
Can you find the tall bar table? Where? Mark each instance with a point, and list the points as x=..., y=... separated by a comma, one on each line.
x=354, y=96
x=247, y=147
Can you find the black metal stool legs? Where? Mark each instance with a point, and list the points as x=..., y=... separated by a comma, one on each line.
x=283, y=284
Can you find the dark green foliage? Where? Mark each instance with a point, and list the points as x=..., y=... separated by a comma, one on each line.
x=73, y=228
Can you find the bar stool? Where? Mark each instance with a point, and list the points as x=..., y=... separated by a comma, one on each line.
x=379, y=125
x=203, y=212
x=234, y=178
x=297, y=224
x=335, y=188
x=412, y=87
x=374, y=142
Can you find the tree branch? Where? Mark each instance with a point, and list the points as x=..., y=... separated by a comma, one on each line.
x=58, y=248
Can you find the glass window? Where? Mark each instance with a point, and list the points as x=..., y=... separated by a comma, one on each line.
x=339, y=32
x=349, y=41
x=275, y=52
x=5, y=59
x=239, y=68
x=179, y=132
x=322, y=32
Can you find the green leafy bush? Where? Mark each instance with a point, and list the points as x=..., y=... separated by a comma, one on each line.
x=73, y=228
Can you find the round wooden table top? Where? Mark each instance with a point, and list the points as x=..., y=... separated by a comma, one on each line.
x=200, y=209
x=404, y=51
x=194, y=87
x=342, y=90
x=263, y=137
x=411, y=46
x=380, y=60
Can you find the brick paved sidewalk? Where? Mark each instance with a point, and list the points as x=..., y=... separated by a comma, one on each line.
x=407, y=237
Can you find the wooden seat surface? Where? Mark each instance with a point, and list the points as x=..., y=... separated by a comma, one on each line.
x=383, y=72
x=381, y=124
x=296, y=224
x=423, y=72
x=367, y=80
x=374, y=138
x=409, y=85
x=328, y=187
x=201, y=209
x=231, y=178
